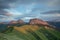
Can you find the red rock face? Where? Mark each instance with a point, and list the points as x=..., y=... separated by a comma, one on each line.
x=13, y=22
x=38, y=21
x=20, y=21
x=16, y=22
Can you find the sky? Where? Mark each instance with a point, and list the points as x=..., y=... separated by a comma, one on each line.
x=28, y=9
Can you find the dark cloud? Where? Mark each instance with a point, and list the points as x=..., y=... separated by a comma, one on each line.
x=52, y=12
x=2, y=12
x=29, y=1
x=4, y=4
x=1, y=16
x=47, y=4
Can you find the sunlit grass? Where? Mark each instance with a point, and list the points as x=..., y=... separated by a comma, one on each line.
x=26, y=28
x=30, y=32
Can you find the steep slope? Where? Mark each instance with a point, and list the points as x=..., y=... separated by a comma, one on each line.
x=37, y=21
x=36, y=30
x=30, y=32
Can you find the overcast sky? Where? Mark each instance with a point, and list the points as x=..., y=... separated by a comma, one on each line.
x=28, y=9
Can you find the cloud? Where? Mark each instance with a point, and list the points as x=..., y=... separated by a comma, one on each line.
x=33, y=8
x=9, y=3
x=52, y=12
x=5, y=13
x=47, y=5
x=5, y=3
x=26, y=19
x=2, y=12
x=13, y=12
x=53, y=3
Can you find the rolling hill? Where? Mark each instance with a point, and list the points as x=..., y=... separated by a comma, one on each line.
x=36, y=29
x=30, y=32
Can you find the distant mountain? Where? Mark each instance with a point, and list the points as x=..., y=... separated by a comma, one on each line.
x=3, y=22
x=13, y=22
x=56, y=24
x=54, y=21
x=16, y=22
x=20, y=21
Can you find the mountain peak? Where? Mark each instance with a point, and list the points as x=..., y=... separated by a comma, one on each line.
x=38, y=21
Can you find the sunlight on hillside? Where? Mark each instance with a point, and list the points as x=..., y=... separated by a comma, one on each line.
x=26, y=28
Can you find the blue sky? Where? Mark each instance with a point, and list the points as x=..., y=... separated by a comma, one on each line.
x=28, y=9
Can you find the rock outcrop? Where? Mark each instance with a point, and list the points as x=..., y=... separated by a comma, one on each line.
x=20, y=21
x=16, y=22
x=13, y=22
x=38, y=21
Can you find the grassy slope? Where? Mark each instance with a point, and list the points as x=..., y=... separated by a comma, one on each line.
x=30, y=32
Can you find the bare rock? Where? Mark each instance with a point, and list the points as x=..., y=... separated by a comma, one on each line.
x=38, y=21
x=20, y=21
x=13, y=22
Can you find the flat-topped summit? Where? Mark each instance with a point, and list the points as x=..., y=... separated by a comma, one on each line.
x=37, y=21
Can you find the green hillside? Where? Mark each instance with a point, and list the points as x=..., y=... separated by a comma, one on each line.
x=30, y=32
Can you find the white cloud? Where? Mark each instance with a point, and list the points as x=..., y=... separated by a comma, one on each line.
x=26, y=18
x=13, y=12
x=50, y=15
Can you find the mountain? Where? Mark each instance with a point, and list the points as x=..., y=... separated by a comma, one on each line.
x=20, y=21
x=13, y=22
x=55, y=20
x=56, y=24
x=29, y=31
x=3, y=22
x=34, y=21
x=37, y=21
x=16, y=22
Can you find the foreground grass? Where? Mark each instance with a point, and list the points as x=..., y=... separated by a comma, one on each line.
x=30, y=32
